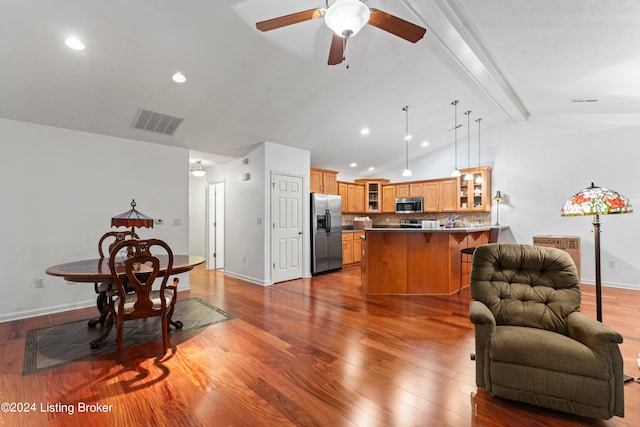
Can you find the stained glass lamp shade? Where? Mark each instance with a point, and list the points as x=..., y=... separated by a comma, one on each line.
x=132, y=218
x=596, y=201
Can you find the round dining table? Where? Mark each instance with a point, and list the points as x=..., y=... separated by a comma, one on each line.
x=97, y=271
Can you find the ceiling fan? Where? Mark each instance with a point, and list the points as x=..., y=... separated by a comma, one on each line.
x=345, y=18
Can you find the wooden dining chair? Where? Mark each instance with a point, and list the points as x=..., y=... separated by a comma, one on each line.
x=141, y=270
x=102, y=287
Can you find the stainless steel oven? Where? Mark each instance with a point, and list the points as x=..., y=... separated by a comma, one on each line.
x=409, y=205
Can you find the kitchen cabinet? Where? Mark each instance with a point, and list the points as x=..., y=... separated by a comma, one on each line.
x=447, y=189
x=352, y=197
x=416, y=189
x=352, y=247
x=474, y=196
x=403, y=190
x=343, y=192
x=373, y=193
x=323, y=181
x=357, y=245
x=347, y=248
x=439, y=195
x=359, y=198
x=389, y=194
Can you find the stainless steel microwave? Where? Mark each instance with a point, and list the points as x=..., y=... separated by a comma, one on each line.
x=410, y=205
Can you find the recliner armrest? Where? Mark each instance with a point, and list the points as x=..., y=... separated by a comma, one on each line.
x=479, y=314
x=485, y=330
x=591, y=333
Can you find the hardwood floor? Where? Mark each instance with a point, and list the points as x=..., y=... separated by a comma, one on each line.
x=310, y=352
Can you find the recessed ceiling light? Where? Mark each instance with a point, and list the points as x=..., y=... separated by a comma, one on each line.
x=371, y=168
x=74, y=43
x=425, y=143
x=353, y=165
x=364, y=131
x=179, y=77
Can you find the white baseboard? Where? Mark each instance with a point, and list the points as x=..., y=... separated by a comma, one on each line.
x=248, y=279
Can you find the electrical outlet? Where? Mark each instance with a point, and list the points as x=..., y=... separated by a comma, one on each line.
x=612, y=264
x=39, y=283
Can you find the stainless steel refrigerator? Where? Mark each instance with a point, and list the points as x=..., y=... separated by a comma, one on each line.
x=326, y=233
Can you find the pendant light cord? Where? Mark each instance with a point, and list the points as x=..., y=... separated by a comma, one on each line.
x=468, y=114
x=478, y=120
x=455, y=129
x=406, y=136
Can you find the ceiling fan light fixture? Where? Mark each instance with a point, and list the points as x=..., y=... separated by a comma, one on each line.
x=347, y=17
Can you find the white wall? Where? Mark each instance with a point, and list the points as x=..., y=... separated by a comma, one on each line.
x=540, y=163
x=294, y=161
x=247, y=248
x=59, y=190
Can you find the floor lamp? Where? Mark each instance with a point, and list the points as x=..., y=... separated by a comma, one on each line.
x=596, y=201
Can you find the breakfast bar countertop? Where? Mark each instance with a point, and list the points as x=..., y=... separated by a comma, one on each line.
x=433, y=230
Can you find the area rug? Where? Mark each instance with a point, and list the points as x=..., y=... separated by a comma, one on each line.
x=57, y=345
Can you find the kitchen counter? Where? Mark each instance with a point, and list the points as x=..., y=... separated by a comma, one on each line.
x=415, y=261
x=431, y=230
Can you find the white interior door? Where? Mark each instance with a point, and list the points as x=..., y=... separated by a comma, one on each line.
x=216, y=226
x=287, y=224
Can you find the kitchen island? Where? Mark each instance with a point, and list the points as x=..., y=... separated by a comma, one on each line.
x=404, y=261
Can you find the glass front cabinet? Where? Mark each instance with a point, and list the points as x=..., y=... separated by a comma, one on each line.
x=475, y=194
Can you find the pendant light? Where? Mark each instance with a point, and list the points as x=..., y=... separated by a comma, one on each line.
x=407, y=137
x=469, y=175
x=479, y=179
x=456, y=171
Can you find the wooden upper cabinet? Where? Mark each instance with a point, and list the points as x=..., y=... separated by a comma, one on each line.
x=323, y=181
x=416, y=189
x=372, y=193
x=359, y=198
x=440, y=195
x=389, y=194
x=352, y=197
x=447, y=195
x=431, y=191
x=342, y=191
x=402, y=190
x=474, y=195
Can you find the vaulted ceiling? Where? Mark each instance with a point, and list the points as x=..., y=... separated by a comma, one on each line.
x=503, y=59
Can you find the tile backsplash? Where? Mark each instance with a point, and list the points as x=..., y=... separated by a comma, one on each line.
x=391, y=219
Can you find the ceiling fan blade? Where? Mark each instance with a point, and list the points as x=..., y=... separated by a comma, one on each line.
x=336, y=53
x=294, y=18
x=396, y=26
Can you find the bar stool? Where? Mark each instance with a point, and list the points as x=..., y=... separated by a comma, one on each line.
x=494, y=232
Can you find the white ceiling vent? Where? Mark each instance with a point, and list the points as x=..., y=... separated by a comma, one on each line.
x=156, y=122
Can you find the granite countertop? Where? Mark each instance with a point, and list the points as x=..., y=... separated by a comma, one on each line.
x=434, y=230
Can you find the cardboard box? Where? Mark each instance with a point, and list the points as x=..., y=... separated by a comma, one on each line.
x=361, y=224
x=569, y=244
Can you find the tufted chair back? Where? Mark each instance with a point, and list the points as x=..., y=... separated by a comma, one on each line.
x=526, y=285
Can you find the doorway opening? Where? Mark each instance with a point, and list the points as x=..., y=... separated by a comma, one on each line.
x=215, y=222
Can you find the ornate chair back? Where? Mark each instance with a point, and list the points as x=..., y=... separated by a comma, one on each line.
x=140, y=271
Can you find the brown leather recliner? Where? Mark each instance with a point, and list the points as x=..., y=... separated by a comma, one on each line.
x=532, y=343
